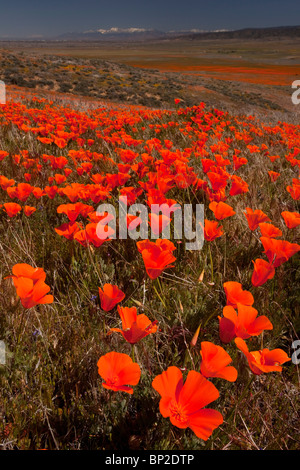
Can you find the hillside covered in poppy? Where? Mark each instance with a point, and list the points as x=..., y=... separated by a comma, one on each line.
x=115, y=342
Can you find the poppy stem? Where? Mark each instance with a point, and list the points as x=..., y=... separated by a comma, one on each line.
x=21, y=325
x=250, y=237
x=159, y=296
x=104, y=324
x=159, y=283
x=273, y=288
x=211, y=263
x=72, y=251
x=225, y=255
x=18, y=337
x=132, y=353
x=95, y=263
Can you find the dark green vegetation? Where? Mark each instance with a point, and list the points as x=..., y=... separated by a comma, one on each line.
x=95, y=78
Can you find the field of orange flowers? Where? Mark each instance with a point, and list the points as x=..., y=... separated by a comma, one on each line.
x=139, y=344
x=265, y=75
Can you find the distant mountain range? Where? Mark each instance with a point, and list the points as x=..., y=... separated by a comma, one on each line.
x=127, y=34
x=250, y=33
x=141, y=34
x=113, y=34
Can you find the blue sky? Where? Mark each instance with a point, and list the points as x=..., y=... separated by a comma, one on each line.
x=24, y=18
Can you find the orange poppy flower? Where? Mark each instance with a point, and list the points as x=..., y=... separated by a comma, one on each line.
x=238, y=186
x=87, y=167
x=184, y=403
x=273, y=175
x=51, y=191
x=79, y=170
x=236, y=295
x=59, y=179
x=238, y=162
x=158, y=222
x=128, y=195
x=133, y=221
x=218, y=181
x=254, y=218
x=158, y=203
x=263, y=271
x=291, y=219
x=96, y=217
x=45, y=140
x=156, y=256
x=217, y=196
x=100, y=231
x=72, y=211
x=215, y=362
x=67, y=171
x=110, y=296
x=278, y=251
x=25, y=270
x=211, y=230
x=123, y=168
x=12, y=208
x=90, y=235
x=60, y=142
x=30, y=285
x=118, y=371
x=272, y=158
x=134, y=327
x=28, y=210
x=5, y=182
x=221, y=210
x=269, y=230
x=263, y=360
x=242, y=324
x=12, y=192
x=72, y=191
x=23, y=191
x=207, y=164
x=294, y=189
x=37, y=192
x=3, y=154
x=32, y=294
x=68, y=230
x=127, y=155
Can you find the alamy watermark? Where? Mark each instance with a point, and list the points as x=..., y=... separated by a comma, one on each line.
x=135, y=222
x=2, y=353
x=296, y=94
x=2, y=92
x=296, y=355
